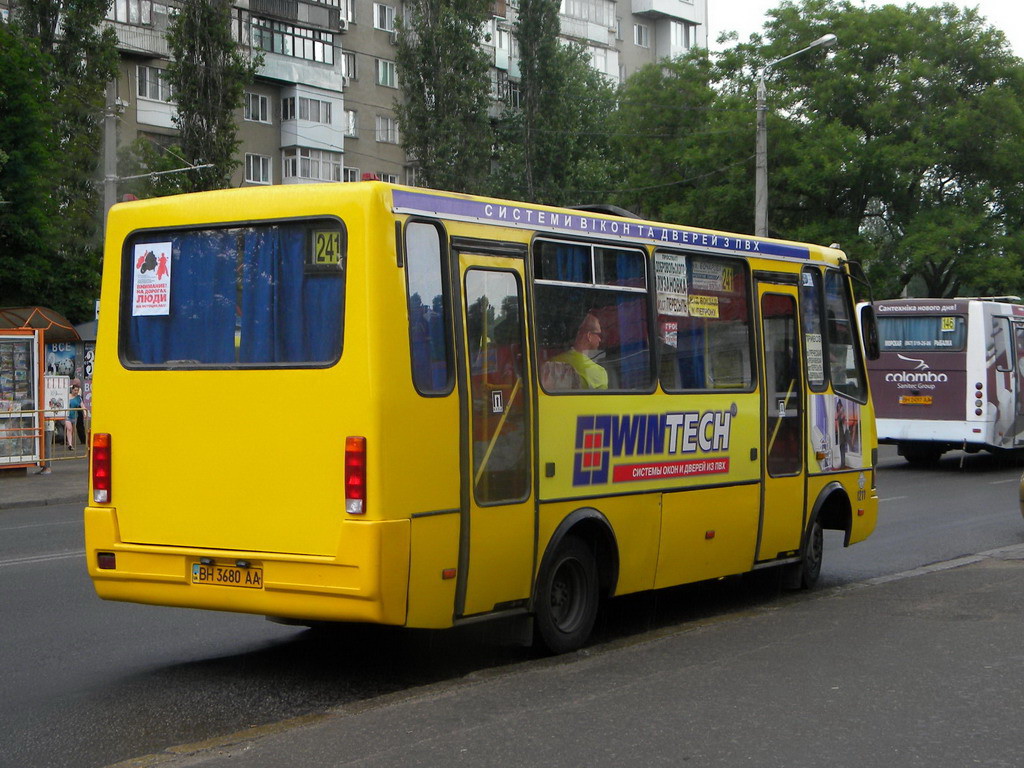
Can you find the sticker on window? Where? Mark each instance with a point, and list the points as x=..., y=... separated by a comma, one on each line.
x=326, y=248
x=670, y=276
x=151, y=283
x=711, y=276
x=704, y=306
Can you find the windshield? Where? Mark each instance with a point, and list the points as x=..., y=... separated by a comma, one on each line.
x=257, y=295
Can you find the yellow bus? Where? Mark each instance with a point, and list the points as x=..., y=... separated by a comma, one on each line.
x=373, y=403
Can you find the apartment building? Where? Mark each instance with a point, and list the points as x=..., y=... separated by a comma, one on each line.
x=322, y=105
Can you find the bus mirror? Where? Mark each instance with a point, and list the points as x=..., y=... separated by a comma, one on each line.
x=869, y=330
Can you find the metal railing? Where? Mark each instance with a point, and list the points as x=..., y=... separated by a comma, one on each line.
x=33, y=436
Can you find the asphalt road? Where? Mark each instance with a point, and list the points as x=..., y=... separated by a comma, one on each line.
x=89, y=683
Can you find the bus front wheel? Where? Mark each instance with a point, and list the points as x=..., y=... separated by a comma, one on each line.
x=567, y=596
x=804, y=574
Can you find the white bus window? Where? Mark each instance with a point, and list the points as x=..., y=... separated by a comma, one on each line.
x=922, y=333
x=429, y=337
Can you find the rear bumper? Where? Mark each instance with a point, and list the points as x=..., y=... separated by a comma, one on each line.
x=942, y=431
x=367, y=581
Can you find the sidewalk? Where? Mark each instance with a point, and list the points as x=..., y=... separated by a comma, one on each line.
x=922, y=669
x=68, y=481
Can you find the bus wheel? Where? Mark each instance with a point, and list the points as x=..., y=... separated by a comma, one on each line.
x=804, y=574
x=567, y=597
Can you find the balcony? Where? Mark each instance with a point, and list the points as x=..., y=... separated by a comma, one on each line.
x=146, y=40
x=694, y=11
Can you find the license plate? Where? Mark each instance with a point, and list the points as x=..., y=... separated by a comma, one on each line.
x=227, y=576
x=916, y=400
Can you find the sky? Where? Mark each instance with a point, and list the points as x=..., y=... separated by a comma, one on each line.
x=748, y=16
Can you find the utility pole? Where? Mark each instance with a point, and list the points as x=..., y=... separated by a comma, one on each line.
x=109, y=153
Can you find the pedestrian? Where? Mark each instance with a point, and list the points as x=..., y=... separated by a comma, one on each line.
x=77, y=412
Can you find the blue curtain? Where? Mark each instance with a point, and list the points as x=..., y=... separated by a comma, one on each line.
x=289, y=315
x=200, y=322
x=254, y=287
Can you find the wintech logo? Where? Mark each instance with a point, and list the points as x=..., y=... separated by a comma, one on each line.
x=602, y=438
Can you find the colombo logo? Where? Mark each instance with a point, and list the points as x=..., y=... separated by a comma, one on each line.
x=921, y=364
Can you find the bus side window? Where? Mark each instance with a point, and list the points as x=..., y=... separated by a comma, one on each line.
x=429, y=339
x=591, y=317
x=703, y=323
x=1001, y=344
x=845, y=365
x=810, y=319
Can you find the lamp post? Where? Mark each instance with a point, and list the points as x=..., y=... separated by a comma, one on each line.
x=761, y=175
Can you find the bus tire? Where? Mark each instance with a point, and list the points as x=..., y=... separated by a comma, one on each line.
x=804, y=574
x=567, y=596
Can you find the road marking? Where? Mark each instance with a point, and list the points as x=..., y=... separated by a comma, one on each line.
x=41, y=525
x=42, y=558
x=1000, y=482
x=892, y=498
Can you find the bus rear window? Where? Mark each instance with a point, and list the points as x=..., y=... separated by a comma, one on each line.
x=923, y=333
x=261, y=295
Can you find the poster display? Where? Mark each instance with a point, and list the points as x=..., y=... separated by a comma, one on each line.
x=20, y=442
x=151, y=283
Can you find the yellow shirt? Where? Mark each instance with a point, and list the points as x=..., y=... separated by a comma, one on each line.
x=592, y=374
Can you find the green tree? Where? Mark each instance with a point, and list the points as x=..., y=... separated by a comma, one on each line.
x=554, y=146
x=78, y=59
x=685, y=145
x=445, y=88
x=902, y=143
x=209, y=75
x=28, y=213
x=147, y=169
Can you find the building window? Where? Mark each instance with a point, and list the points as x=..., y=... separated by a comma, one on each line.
x=600, y=12
x=508, y=90
x=384, y=17
x=390, y=178
x=154, y=84
x=348, y=65
x=257, y=107
x=314, y=164
x=387, y=129
x=131, y=11
x=301, y=108
x=642, y=35
x=386, y=73
x=682, y=35
x=351, y=174
x=351, y=124
x=257, y=169
x=289, y=40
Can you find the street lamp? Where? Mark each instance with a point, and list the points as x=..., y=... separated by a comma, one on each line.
x=761, y=176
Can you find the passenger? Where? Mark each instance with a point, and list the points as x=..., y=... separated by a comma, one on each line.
x=580, y=355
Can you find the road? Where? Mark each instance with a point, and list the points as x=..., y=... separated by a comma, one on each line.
x=89, y=683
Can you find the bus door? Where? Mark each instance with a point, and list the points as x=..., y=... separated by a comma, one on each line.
x=496, y=552
x=1017, y=382
x=782, y=430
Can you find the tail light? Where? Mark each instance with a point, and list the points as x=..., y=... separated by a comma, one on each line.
x=101, y=468
x=355, y=475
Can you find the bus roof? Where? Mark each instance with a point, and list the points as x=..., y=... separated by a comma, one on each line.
x=420, y=201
